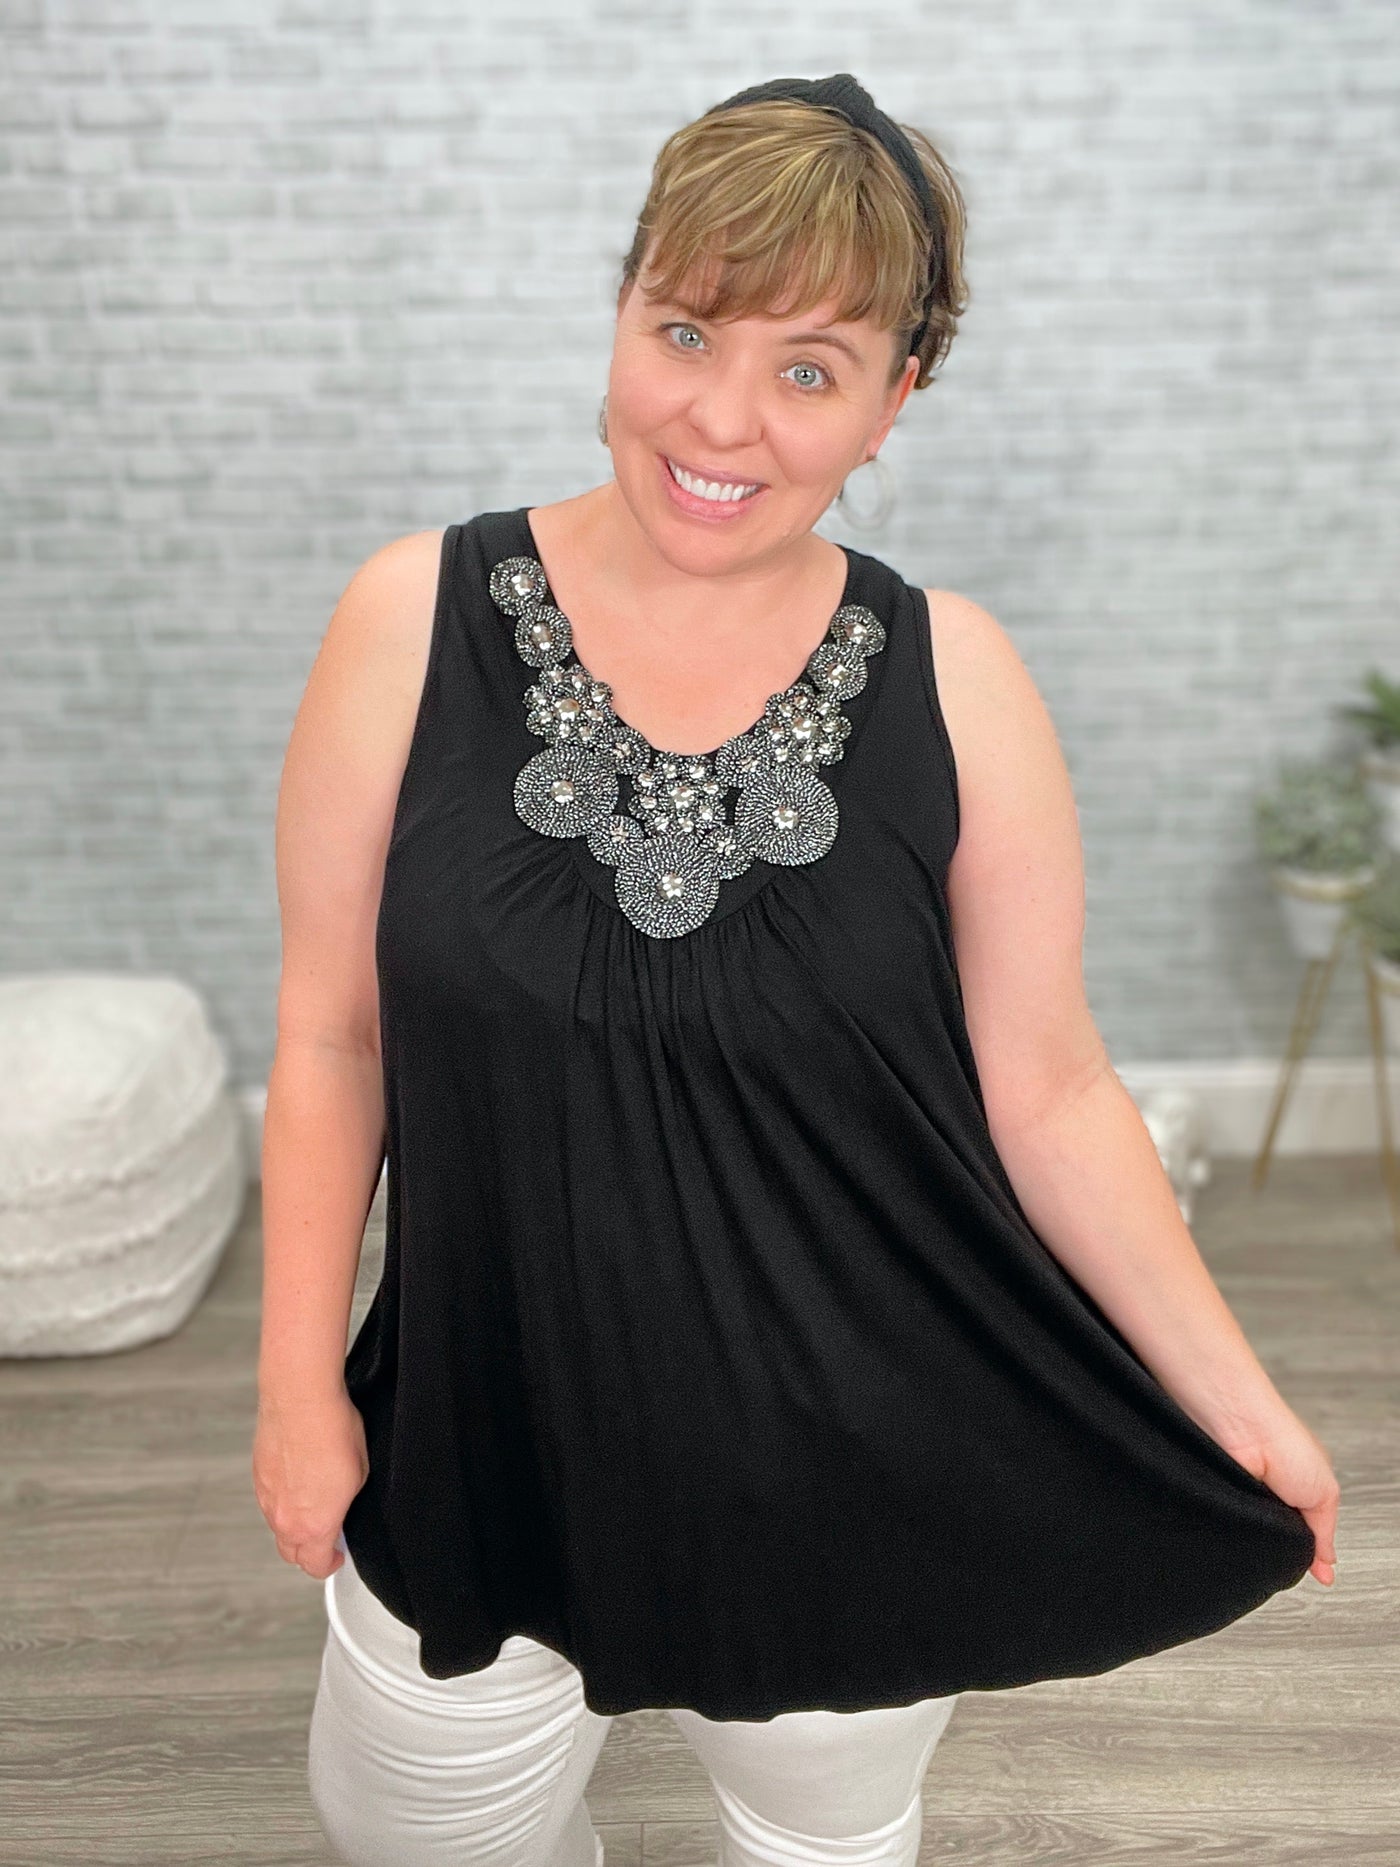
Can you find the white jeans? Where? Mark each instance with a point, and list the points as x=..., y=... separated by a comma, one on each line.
x=490, y=1767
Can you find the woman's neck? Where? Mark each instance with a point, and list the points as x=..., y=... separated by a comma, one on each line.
x=610, y=565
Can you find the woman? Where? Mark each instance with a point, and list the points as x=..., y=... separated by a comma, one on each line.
x=711, y=975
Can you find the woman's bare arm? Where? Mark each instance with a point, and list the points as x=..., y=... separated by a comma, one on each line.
x=1076, y=1150
x=323, y=1132
x=1073, y=1143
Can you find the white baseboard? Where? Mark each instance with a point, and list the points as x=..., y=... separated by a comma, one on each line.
x=1331, y=1108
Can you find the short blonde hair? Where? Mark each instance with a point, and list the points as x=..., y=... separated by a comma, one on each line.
x=781, y=205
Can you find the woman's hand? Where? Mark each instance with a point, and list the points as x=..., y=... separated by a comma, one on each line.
x=309, y=1460
x=1293, y=1462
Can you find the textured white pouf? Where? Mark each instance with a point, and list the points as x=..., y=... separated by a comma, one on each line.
x=122, y=1160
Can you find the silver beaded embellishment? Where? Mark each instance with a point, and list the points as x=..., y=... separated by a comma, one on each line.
x=673, y=844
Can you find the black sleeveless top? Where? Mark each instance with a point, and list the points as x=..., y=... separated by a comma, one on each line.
x=713, y=1348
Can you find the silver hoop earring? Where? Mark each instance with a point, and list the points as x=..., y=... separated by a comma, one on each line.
x=875, y=517
x=603, y=421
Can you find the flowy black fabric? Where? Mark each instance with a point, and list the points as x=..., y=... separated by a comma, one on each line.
x=713, y=1348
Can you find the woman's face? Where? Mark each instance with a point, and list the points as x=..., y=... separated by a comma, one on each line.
x=791, y=405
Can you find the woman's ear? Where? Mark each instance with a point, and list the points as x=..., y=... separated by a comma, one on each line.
x=899, y=395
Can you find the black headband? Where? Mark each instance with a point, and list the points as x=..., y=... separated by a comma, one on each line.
x=844, y=93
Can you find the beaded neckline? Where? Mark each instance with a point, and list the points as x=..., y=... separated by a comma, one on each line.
x=672, y=844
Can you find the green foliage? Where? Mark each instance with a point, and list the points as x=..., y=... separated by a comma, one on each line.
x=1318, y=817
x=1381, y=720
x=1376, y=911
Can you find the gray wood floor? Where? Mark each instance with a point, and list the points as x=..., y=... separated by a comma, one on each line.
x=161, y=1660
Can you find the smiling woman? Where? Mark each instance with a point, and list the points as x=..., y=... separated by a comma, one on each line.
x=815, y=258
x=716, y=1364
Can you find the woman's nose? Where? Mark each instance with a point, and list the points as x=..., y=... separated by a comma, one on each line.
x=728, y=414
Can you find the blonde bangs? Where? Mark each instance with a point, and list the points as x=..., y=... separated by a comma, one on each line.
x=776, y=207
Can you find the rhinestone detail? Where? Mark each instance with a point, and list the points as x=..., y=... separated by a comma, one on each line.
x=671, y=843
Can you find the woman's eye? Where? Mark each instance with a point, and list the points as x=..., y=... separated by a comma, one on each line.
x=812, y=368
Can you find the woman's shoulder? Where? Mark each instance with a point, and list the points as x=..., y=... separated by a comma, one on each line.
x=966, y=640
x=970, y=643
x=377, y=643
x=397, y=587
x=985, y=690
x=402, y=565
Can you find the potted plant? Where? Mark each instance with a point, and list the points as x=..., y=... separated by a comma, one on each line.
x=1317, y=831
x=1380, y=763
x=1376, y=912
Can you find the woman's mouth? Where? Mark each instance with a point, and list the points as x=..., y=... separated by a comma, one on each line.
x=711, y=499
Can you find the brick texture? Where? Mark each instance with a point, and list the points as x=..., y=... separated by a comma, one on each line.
x=283, y=281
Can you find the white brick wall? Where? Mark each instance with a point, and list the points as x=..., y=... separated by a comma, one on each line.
x=283, y=281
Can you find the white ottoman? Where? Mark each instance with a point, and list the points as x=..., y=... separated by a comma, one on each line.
x=122, y=1160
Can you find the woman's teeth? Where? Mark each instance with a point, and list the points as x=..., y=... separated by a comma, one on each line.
x=708, y=489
